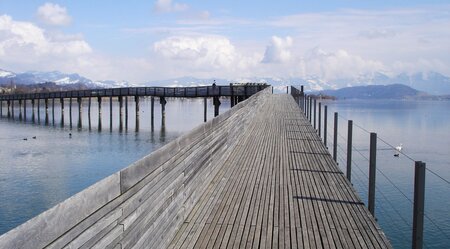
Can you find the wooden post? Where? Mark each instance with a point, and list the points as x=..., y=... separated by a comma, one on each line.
x=8, y=103
x=39, y=110
x=20, y=109
x=287, y=89
x=136, y=100
x=205, y=109
x=126, y=112
x=80, y=123
x=33, y=117
x=232, y=96
x=216, y=103
x=325, y=124
x=25, y=110
x=89, y=107
x=12, y=109
x=349, y=150
x=315, y=113
x=70, y=112
x=419, y=201
x=1, y=108
x=320, y=118
x=302, y=98
x=152, y=110
x=110, y=113
x=120, y=112
x=46, y=111
x=53, y=111
x=61, y=100
x=162, y=101
x=310, y=109
x=372, y=172
x=335, y=136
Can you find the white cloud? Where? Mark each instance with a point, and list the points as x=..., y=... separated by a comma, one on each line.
x=279, y=50
x=165, y=6
x=53, y=14
x=31, y=41
x=336, y=65
x=204, y=54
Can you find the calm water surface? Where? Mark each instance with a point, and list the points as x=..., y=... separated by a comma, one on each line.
x=36, y=174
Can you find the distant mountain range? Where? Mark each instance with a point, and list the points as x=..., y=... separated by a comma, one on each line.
x=394, y=91
x=33, y=77
x=431, y=82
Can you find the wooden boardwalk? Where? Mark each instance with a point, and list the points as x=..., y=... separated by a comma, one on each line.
x=280, y=188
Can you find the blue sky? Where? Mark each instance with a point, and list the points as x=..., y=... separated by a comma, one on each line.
x=140, y=41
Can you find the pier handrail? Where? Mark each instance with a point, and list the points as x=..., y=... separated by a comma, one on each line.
x=234, y=89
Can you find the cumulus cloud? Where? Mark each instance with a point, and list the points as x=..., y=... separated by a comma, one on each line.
x=279, y=50
x=23, y=43
x=165, y=6
x=53, y=14
x=207, y=53
x=337, y=65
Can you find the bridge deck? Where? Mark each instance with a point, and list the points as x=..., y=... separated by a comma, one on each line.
x=280, y=188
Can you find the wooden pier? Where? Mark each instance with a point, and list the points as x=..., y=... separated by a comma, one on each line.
x=257, y=176
x=236, y=92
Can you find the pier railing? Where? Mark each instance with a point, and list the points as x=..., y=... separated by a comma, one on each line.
x=317, y=113
x=236, y=89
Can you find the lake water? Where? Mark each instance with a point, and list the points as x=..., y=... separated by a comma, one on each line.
x=36, y=174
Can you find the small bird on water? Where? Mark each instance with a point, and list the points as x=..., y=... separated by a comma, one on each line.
x=34, y=137
x=70, y=135
x=398, y=149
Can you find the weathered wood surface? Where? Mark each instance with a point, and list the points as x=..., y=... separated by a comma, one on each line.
x=279, y=188
x=238, y=90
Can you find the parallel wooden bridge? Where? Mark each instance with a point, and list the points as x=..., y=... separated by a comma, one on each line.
x=257, y=176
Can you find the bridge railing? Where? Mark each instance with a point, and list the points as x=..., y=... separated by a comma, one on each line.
x=245, y=90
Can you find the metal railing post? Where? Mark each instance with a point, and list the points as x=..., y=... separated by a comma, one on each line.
x=349, y=150
x=419, y=200
x=335, y=135
x=315, y=113
x=372, y=171
x=320, y=118
x=325, y=118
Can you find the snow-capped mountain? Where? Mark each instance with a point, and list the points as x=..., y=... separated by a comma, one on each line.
x=34, y=77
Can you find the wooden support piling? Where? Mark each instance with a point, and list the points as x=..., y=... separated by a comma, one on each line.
x=110, y=113
x=70, y=113
x=25, y=110
x=120, y=112
x=53, y=111
x=126, y=112
x=20, y=110
x=152, y=112
x=205, y=110
x=372, y=172
x=216, y=102
x=80, y=116
x=33, y=117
